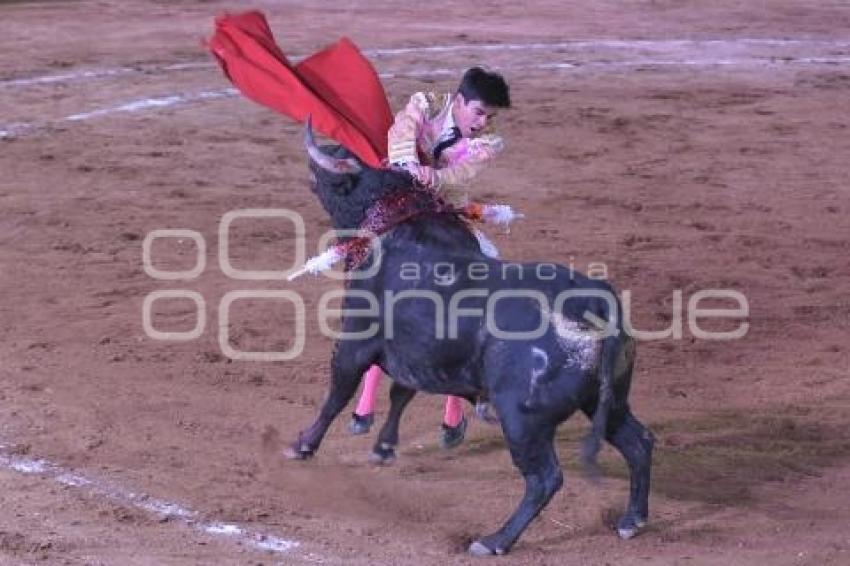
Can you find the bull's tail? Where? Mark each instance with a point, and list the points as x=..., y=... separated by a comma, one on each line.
x=592, y=443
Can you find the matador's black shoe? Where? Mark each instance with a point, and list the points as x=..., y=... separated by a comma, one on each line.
x=361, y=424
x=452, y=436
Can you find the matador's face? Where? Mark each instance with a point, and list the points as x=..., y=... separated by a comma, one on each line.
x=470, y=116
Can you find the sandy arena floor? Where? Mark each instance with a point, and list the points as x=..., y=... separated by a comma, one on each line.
x=685, y=144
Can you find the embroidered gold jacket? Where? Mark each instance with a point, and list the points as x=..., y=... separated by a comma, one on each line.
x=415, y=133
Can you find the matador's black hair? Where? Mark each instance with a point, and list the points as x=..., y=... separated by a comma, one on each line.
x=488, y=87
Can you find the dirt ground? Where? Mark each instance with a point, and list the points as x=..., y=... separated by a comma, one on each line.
x=685, y=144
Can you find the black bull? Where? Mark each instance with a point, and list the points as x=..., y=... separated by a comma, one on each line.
x=529, y=341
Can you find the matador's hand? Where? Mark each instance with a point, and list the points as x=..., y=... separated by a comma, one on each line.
x=425, y=175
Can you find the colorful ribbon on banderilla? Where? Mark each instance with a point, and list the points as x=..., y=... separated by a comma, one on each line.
x=393, y=210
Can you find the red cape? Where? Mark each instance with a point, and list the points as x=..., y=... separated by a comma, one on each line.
x=337, y=86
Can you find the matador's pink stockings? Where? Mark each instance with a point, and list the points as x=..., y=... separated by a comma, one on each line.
x=366, y=405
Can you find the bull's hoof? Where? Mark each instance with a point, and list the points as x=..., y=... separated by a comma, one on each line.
x=298, y=451
x=478, y=548
x=382, y=455
x=630, y=526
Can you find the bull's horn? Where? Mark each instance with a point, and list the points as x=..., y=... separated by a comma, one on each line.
x=333, y=164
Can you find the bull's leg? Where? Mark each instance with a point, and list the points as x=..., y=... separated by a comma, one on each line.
x=384, y=450
x=634, y=441
x=533, y=451
x=347, y=367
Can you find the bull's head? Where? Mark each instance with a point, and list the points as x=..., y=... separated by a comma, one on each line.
x=345, y=186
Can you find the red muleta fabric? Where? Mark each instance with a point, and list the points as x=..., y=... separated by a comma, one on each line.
x=337, y=86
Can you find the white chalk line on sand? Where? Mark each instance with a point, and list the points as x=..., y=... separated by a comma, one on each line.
x=160, y=508
x=101, y=73
x=595, y=43
x=766, y=62
x=20, y=129
x=151, y=103
x=385, y=52
x=17, y=130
